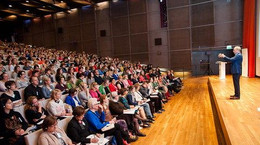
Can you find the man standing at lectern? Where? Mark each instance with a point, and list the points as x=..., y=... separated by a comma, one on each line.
x=236, y=69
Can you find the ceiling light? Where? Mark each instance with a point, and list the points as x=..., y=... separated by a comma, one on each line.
x=27, y=1
x=61, y=1
x=43, y=6
x=27, y=11
x=10, y=6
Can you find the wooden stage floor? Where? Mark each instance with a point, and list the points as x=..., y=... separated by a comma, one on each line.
x=239, y=119
x=188, y=119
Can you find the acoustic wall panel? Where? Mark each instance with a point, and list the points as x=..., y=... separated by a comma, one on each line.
x=120, y=26
x=119, y=8
x=121, y=45
x=179, y=39
x=179, y=18
x=203, y=37
x=137, y=6
x=139, y=43
x=202, y=14
x=181, y=60
x=138, y=23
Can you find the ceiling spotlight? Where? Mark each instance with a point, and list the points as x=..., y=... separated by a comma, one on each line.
x=27, y=11
x=27, y=1
x=43, y=6
x=10, y=6
x=115, y=1
x=61, y=1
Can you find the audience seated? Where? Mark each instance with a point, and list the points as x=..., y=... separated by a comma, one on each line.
x=52, y=134
x=12, y=124
x=12, y=94
x=56, y=107
x=34, y=112
x=83, y=94
x=33, y=89
x=72, y=99
x=78, y=128
x=3, y=78
x=47, y=87
x=21, y=81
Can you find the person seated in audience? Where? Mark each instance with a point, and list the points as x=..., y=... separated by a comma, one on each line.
x=107, y=75
x=52, y=134
x=156, y=100
x=59, y=74
x=115, y=107
x=84, y=94
x=70, y=83
x=141, y=77
x=72, y=98
x=33, y=89
x=139, y=114
x=98, y=77
x=80, y=79
x=12, y=124
x=63, y=67
x=139, y=98
x=78, y=128
x=112, y=86
x=47, y=87
x=2, y=69
x=48, y=74
x=104, y=89
x=133, y=100
x=71, y=74
x=56, y=107
x=27, y=66
x=90, y=78
x=80, y=71
x=34, y=112
x=61, y=85
x=119, y=83
x=15, y=72
x=94, y=92
x=105, y=104
x=35, y=69
x=115, y=75
x=12, y=94
x=3, y=78
x=125, y=81
x=96, y=120
x=21, y=81
x=158, y=88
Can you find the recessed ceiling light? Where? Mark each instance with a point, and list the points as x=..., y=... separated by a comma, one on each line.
x=10, y=6
x=43, y=6
x=27, y=11
x=61, y=1
x=27, y=1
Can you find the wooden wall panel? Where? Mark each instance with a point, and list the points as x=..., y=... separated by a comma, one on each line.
x=179, y=18
x=139, y=43
x=137, y=6
x=179, y=39
x=138, y=23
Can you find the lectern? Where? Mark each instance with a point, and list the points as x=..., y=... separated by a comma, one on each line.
x=222, y=69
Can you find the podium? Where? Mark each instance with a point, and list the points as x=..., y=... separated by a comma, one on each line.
x=222, y=69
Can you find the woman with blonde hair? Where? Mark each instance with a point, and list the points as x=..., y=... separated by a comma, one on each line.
x=84, y=94
x=94, y=91
x=56, y=107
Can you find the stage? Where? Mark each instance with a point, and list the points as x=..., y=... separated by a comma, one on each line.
x=238, y=119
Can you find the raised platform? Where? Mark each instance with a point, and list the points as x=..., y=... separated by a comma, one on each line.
x=239, y=119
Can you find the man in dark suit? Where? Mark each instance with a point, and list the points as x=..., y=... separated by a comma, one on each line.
x=236, y=69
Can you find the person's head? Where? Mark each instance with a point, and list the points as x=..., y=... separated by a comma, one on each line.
x=96, y=72
x=83, y=86
x=35, y=73
x=46, y=80
x=113, y=81
x=6, y=104
x=49, y=124
x=120, y=78
x=80, y=76
x=79, y=113
x=106, y=83
x=237, y=49
x=72, y=92
x=125, y=77
x=34, y=80
x=93, y=104
x=56, y=94
x=48, y=71
x=137, y=87
x=123, y=91
x=17, y=68
x=145, y=84
x=104, y=100
x=10, y=85
x=61, y=80
x=131, y=89
x=4, y=77
x=93, y=86
x=21, y=74
x=90, y=75
x=32, y=101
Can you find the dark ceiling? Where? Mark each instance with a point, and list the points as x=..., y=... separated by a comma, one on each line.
x=11, y=10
